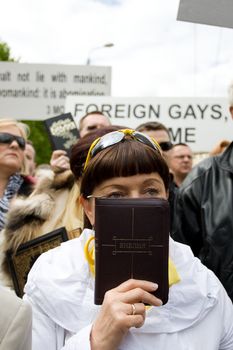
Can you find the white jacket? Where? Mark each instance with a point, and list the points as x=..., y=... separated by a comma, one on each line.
x=60, y=288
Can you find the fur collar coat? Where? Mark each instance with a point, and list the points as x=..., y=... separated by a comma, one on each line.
x=54, y=203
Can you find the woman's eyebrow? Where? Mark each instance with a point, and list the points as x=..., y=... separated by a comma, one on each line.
x=113, y=186
x=152, y=181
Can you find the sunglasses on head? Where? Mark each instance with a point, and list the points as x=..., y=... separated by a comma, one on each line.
x=165, y=146
x=9, y=138
x=115, y=137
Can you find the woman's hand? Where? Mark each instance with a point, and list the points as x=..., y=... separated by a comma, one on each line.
x=59, y=161
x=123, y=307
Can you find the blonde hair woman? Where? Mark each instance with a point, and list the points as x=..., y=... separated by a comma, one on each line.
x=53, y=203
x=13, y=136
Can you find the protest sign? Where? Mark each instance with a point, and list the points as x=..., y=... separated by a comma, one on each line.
x=199, y=122
x=38, y=91
x=212, y=12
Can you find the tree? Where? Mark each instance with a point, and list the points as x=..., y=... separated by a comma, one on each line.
x=5, y=52
x=40, y=140
x=38, y=134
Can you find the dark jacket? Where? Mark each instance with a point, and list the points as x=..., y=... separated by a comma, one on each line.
x=204, y=215
x=173, y=188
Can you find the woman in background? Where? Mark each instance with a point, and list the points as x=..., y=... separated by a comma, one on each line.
x=13, y=136
x=54, y=203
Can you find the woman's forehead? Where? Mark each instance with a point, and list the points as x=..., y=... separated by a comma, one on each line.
x=11, y=129
x=134, y=180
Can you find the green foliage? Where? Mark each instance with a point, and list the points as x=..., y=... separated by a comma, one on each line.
x=38, y=135
x=5, y=52
x=40, y=140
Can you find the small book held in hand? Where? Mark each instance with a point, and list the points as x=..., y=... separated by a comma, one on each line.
x=131, y=241
x=62, y=131
x=27, y=253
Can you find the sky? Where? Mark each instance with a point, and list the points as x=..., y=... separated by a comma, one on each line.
x=153, y=53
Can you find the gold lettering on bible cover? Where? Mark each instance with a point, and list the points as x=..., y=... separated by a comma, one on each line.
x=134, y=246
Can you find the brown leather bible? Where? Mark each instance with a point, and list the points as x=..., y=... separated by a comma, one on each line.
x=131, y=241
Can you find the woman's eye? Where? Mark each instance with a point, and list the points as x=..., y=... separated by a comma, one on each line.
x=115, y=195
x=153, y=192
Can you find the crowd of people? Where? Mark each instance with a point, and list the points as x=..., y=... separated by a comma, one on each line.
x=111, y=161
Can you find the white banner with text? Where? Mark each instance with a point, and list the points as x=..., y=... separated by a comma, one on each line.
x=200, y=122
x=38, y=91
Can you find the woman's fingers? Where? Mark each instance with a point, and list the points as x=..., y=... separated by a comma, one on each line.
x=136, y=309
x=59, y=160
x=133, y=315
x=140, y=295
x=136, y=321
x=133, y=291
x=133, y=283
x=58, y=153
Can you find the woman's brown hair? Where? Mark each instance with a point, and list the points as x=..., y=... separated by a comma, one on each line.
x=80, y=149
x=126, y=158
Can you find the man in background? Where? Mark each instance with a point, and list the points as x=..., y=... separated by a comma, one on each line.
x=160, y=133
x=180, y=162
x=203, y=212
x=91, y=121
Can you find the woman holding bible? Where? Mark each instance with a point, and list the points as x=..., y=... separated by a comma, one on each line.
x=60, y=287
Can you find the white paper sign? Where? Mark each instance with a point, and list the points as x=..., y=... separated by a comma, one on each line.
x=38, y=91
x=199, y=122
x=213, y=12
